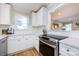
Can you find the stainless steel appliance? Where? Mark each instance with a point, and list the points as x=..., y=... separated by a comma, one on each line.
x=3, y=46
x=49, y=44
x=10, y=30
x=4, y=31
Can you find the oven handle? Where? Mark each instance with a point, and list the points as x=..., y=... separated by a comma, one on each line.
x=53, y=46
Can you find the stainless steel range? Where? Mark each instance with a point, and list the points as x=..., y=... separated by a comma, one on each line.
x=49, y=44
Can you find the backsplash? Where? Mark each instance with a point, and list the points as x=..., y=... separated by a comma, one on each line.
x=30, y=31
x=38, y=31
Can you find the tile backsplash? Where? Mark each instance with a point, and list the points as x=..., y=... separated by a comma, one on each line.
x=38, y=31
x=32, y=30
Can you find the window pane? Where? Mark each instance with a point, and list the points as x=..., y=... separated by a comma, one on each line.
x=21, y=22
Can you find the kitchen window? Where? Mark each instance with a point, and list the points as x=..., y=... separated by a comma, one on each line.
x=21, y=21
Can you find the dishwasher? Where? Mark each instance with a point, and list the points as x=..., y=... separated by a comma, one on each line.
x=3, y=46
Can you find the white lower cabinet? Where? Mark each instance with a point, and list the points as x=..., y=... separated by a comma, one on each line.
x=67, y=50
x=14, y=44
x=36, y=43
x=28, y=41
x=17, y=43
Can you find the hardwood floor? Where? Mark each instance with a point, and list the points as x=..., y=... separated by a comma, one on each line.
x=29, y=52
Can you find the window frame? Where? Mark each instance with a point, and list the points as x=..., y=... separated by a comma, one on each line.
x=26, y=16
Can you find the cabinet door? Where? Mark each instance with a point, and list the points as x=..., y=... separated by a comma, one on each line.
x=34, y=19
x=28, y=41
x=69, y=50
x=0, y=47
x=45, y=16
x=40, y=17
x=4, y=14
x=17, y=43
x=14, y=44
x=36, y=43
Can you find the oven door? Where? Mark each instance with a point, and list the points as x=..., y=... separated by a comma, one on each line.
x=47, y=50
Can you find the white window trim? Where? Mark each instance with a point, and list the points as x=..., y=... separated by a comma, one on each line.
x=25, y=15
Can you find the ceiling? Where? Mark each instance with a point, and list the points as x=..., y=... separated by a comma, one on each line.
x=28, y=7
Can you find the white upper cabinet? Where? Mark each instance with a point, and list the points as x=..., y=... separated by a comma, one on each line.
x=40, y=18
x=4, y=14
x=34, y=19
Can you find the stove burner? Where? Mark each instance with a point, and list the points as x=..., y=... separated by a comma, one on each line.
x=57, y=37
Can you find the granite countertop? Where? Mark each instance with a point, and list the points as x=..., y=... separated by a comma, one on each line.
x=72, y=41
x=14, y=34
x=8, y=35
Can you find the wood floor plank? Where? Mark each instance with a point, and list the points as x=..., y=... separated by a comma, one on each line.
x=30, y=52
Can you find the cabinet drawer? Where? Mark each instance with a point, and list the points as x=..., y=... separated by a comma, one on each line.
x=69, y=49
x=62, y=53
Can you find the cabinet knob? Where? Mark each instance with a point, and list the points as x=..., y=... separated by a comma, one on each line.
x=18, y=40
x=67, y=50
x=59, y=53
x=26, y=39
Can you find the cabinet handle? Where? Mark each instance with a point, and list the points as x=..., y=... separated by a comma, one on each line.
x=18, y=40
x=59, y=53
x=26, y=39
x=67, y=50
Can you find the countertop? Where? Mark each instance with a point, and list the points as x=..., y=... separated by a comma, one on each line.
x=8, y=35
x=3, y=36
x=72, y=41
